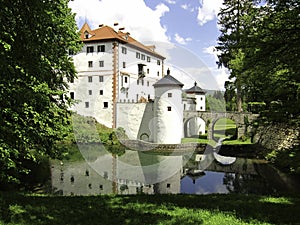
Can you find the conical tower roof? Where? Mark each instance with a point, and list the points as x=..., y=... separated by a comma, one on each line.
x=195, y=90
x=168, y=80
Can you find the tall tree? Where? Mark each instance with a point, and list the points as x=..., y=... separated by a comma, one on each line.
x=35, y=37
x=263, y=56
x=275, y=63
x=233, y=22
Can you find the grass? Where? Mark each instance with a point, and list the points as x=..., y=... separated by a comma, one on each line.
x=149, y=209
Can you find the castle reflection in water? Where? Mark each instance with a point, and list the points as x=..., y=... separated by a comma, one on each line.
x=135, y=172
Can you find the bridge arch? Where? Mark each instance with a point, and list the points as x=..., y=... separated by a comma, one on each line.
x=224, y=127
x=194, y=126
x=241, y=120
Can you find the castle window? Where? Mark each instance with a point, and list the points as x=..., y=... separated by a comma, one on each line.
x=137, y=81
x=87, y=104
x=101, y=92
x=72, y=95
x=169, y=108
x=158, y=62
x=138, y=55
x=125, y=80
x=124, y=64
x=148, y=59
x=169, y=95
x=101, y=63
x=143, y=57
x=89, y=49
x=168, y=185
x=101, y=48
x=101, y=78
x=90, y=79
x=90, y=92
x=158, y=73
x=148, y=83
x=143, y=82
x=101, y=187
x=105, y=105
x=148, y=71
x=124, y=50
x=90, y=63
x=141, y=72
x=201, y=99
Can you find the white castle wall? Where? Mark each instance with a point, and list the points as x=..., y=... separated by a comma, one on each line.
x=86, y=92
x=129, y=116
x=200, y=102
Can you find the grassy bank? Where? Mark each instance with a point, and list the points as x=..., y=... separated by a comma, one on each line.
x=145, y=209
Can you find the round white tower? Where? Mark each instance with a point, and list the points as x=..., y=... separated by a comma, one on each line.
x=168, y=110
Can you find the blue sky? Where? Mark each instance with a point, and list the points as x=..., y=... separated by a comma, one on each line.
x=185, y=31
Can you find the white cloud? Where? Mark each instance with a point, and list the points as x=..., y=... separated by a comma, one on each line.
x=211, y=50
x=221, y=74
x=170, y=2
x=184, y=6
x=142, y=22
x=181, y=40
x=208, y=11
x=188, y=7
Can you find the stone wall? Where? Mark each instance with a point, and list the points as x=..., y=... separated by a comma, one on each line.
x=281, y=146
x=278, y=136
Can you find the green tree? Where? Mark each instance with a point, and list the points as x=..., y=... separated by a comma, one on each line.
x=234, y=21
x=35, y=37
x=230, y=96
x=260, y=45
x=272, y=57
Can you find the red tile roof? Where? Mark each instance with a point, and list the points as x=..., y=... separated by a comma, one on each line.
x=108, y=33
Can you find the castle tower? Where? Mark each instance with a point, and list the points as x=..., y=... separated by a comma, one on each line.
x=199, y=95
x=168, y=110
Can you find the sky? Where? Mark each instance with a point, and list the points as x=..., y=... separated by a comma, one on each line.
x=184, y=31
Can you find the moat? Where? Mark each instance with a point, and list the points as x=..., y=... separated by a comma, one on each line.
x=135, y=172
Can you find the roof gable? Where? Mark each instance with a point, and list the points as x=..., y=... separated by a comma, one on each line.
x=108, y=33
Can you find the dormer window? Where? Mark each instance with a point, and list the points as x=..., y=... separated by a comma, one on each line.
x=86, y=35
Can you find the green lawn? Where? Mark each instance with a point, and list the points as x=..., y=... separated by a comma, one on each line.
x=149, y=209
x=224, y=127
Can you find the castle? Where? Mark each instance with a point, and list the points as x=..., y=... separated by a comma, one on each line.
x=122, y=83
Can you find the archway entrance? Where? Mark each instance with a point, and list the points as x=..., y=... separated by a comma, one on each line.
x=194, y=127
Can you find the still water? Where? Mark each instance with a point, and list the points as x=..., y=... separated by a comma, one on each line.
x=134, y=172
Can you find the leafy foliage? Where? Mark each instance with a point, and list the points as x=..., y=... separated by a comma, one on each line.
x=215, y=102
x=34, y=40
x=260, y=45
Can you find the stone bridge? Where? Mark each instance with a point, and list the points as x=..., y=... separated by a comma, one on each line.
x=241, y=120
